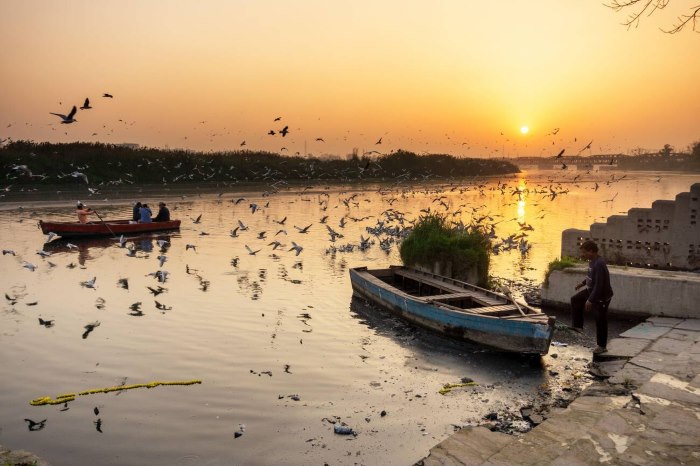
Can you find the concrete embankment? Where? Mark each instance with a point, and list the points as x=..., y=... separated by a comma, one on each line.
x=637, y=291
x=643, y=410
x=20, y=458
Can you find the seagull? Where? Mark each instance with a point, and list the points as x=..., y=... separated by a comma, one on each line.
x=33, y=425
x=71, y=245
x=560, y=154
x=242, y=226
x=89, y=328
x=378, y=142
x=46, y=323
x=296, y=247
x=161, y=275
x=43, y=253
x=8, y=251
x=110, y=96
x=156, y=291
x=284, y=131
x=29, y=266
x=122, y=241
x=86, y=105
x=124, y=283
x=303, y=230
x=250, y=251
x=190, y=246
x=163, y=307
x=162, y=243
x=281, y=222
x=275, y=245
x=162, y=259
x=253, y=207
x=83, y=176
x=234, y=232
x=89, y=283
x=198, y=219
x=67, y=119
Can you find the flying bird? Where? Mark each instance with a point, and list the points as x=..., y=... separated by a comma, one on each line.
x=82, y=176
x=250, y=251
x=296, y=247
x=109, y=96
x=67, y=119
x=86, y=105
x=560, y=154
x=46, y=323
x=284, y=131
x=33, y=425
x=89, y=328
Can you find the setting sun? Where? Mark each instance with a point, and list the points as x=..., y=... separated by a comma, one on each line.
x=524, y=129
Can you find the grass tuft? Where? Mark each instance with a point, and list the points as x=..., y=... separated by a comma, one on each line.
x=433, y=240
x=560, y=264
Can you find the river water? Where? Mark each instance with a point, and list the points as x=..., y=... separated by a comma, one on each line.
x=280, y=347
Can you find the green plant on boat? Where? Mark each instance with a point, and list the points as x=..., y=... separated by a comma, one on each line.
x=560, y=264
x=433, y=240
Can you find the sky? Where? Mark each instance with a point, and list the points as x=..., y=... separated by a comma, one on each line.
x=453, y=76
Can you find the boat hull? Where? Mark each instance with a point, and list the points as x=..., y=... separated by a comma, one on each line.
x=511, y=334
x=106, y=228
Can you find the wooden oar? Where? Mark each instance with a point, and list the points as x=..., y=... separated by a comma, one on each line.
x=509, y=295
x=105, y=224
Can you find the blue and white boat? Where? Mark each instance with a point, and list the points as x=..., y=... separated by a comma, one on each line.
x=456, y=308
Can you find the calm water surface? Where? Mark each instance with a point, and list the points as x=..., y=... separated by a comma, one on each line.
x=257, y=329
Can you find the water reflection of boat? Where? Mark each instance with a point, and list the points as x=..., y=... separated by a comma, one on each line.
x=142, y=242
x=456, y=308
x=104, y=228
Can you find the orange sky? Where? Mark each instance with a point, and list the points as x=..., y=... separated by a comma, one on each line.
x=442, y=77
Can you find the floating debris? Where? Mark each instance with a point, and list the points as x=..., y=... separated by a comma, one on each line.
x=47, y=400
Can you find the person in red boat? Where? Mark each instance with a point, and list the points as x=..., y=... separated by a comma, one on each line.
x=83, y=211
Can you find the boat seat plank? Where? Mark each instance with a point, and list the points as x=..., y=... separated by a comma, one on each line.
x=449, y=287
x=488, y=301
x=495, y=309
x=437, y=297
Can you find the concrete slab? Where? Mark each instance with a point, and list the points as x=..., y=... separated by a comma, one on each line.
x=664, y=321
x=672, y=389
x=671, y=346
x=632, y=374
x=646, y=331
x=606, y=369
x=619, y=348
x=680, y=366
x=690, y=324
x=469, y=446
x=685, y=335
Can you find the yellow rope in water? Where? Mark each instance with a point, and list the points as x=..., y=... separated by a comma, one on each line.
x=66, y=397
x=447, y=388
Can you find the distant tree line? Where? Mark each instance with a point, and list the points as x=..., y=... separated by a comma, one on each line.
x=25, y=162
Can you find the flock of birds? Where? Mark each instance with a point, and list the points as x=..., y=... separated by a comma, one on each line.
x=454, y=200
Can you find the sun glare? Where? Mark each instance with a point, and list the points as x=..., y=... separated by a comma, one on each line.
x=524, y=129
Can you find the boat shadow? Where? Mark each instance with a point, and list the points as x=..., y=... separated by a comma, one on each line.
x=429, y=344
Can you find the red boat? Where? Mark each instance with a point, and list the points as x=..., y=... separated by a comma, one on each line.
x=106, y=228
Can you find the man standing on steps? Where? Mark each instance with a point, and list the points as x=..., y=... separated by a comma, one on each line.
x=595, y=295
